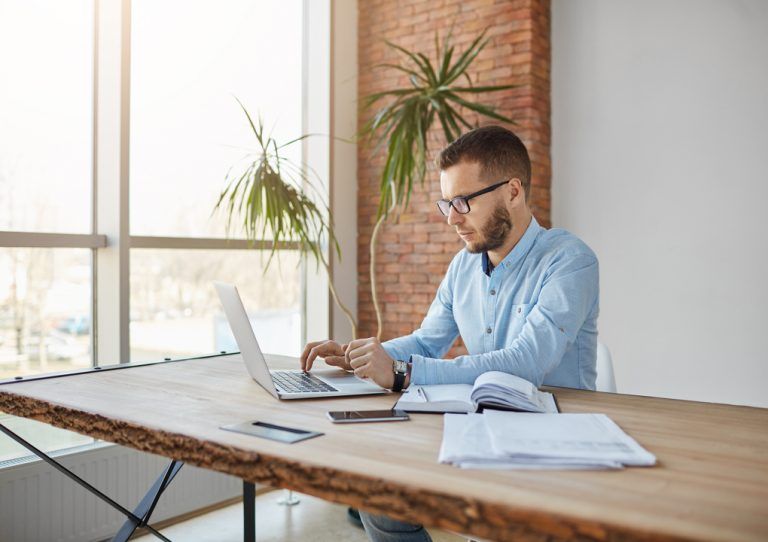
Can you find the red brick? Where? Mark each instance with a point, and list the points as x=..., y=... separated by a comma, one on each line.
x=413, y=254
x=414, y=259
x=414, y=278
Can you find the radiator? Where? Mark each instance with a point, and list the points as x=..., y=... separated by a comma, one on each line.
x=39, y=504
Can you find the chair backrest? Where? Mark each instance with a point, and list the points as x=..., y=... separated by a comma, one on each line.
x=605, y=379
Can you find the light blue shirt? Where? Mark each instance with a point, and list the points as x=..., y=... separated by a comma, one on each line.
x=534, y=316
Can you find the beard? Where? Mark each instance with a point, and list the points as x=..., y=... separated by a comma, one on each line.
x=494, y=232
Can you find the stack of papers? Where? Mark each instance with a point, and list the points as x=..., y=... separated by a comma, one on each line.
x=512, y=440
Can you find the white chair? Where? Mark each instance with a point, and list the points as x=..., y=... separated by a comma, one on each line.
x=605, y=379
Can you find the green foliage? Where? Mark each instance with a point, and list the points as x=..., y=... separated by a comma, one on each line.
x=404, y=122
x=266, y=199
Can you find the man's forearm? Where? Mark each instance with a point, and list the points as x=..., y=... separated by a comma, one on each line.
x=529, y=357
x=403, y=347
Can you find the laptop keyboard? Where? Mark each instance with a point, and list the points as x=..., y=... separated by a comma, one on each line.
x=297, y=382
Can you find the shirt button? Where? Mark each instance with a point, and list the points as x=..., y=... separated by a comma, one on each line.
x=493, y=292
x=519, y=310
x=488, y=330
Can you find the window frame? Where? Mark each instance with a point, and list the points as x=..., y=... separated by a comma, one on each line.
x=110, y=241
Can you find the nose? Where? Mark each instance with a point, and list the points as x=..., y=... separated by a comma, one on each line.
x=454, y=217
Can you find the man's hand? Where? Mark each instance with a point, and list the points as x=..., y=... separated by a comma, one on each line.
x=369, y=360
x=331, y=351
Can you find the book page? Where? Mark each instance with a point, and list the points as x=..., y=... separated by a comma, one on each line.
x=448, y=392
x=497, y=378
x=495, y=389
x=436, y=398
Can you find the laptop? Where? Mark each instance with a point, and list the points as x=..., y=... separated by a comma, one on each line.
x=280, y=383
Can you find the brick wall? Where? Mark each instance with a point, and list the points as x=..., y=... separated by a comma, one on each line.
x=413, y=254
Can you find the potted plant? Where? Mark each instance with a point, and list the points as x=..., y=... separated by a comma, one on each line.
x=270, y=195
x=266, y=197
x=437, y=92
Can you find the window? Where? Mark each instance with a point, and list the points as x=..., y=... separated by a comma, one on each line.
x=45, y=316
x=187, y=130
x=45, y=183
x=46, y=115
x=186, y=126
x=116, y=234
x=176, y=313
x=46, y=142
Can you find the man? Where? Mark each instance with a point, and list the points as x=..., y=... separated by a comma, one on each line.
x=523, y=299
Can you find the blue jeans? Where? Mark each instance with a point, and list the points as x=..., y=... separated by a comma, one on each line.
x=385, y=529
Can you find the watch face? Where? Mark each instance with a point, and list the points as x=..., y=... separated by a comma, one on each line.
x=401, y=366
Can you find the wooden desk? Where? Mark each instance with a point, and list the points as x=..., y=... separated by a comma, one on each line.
x=711, y=482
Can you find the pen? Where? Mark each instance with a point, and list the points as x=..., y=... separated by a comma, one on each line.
x=421, y=392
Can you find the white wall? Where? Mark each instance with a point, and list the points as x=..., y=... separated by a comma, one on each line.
x=660, y=163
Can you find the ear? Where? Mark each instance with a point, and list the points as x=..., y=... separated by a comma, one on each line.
x=517, y=193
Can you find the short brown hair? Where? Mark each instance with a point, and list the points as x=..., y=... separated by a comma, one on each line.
x=499, y=152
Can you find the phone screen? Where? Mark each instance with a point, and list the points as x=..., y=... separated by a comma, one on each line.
x=352, y=416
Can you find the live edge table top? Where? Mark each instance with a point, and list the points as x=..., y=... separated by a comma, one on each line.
x=711, y=481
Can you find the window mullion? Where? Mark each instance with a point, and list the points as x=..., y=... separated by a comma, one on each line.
x=315, y=151
x=207, y=243
x=50, y=240
x=112, y=87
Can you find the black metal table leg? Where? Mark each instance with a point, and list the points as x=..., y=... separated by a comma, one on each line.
x=249, y=512
x=147, y=505
x=140, y=517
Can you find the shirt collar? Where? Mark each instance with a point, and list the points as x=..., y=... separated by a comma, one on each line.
x=518, y=252
x=487, y=265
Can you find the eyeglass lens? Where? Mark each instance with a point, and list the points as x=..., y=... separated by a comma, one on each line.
x=460, y=204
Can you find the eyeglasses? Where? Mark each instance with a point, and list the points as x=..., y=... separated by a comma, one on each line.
x=461, y=203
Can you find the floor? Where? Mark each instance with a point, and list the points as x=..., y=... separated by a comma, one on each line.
x=311, y=519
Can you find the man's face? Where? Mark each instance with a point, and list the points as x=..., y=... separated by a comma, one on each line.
x=488, y=222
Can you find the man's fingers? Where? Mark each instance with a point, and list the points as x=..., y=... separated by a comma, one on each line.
x=336, y=361
x=323, y=349
x=305, y=353
x=359, y=361
x=361, y=351
x=360, y=371
x=320, y=349
x=310, y=359
x=354, y=345
x=364, y=350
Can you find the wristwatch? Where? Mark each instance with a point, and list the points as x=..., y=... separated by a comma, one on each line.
x=401, y=370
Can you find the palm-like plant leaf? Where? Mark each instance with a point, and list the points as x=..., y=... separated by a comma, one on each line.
x=401, y=125
x=265, y=199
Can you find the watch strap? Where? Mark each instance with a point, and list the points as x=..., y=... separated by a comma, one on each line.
x=399, y=381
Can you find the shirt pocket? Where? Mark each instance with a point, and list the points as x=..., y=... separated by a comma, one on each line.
x=521, y=310
x=517, y=318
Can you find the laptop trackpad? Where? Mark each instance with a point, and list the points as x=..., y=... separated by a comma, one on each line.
x=343, y=380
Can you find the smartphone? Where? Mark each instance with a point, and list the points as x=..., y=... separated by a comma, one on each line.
x=360, y=416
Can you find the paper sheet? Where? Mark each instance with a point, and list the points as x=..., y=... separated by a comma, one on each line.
x=575, y=436
x=512, y=440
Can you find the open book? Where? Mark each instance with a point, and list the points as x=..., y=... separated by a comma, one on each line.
x=494, y=389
